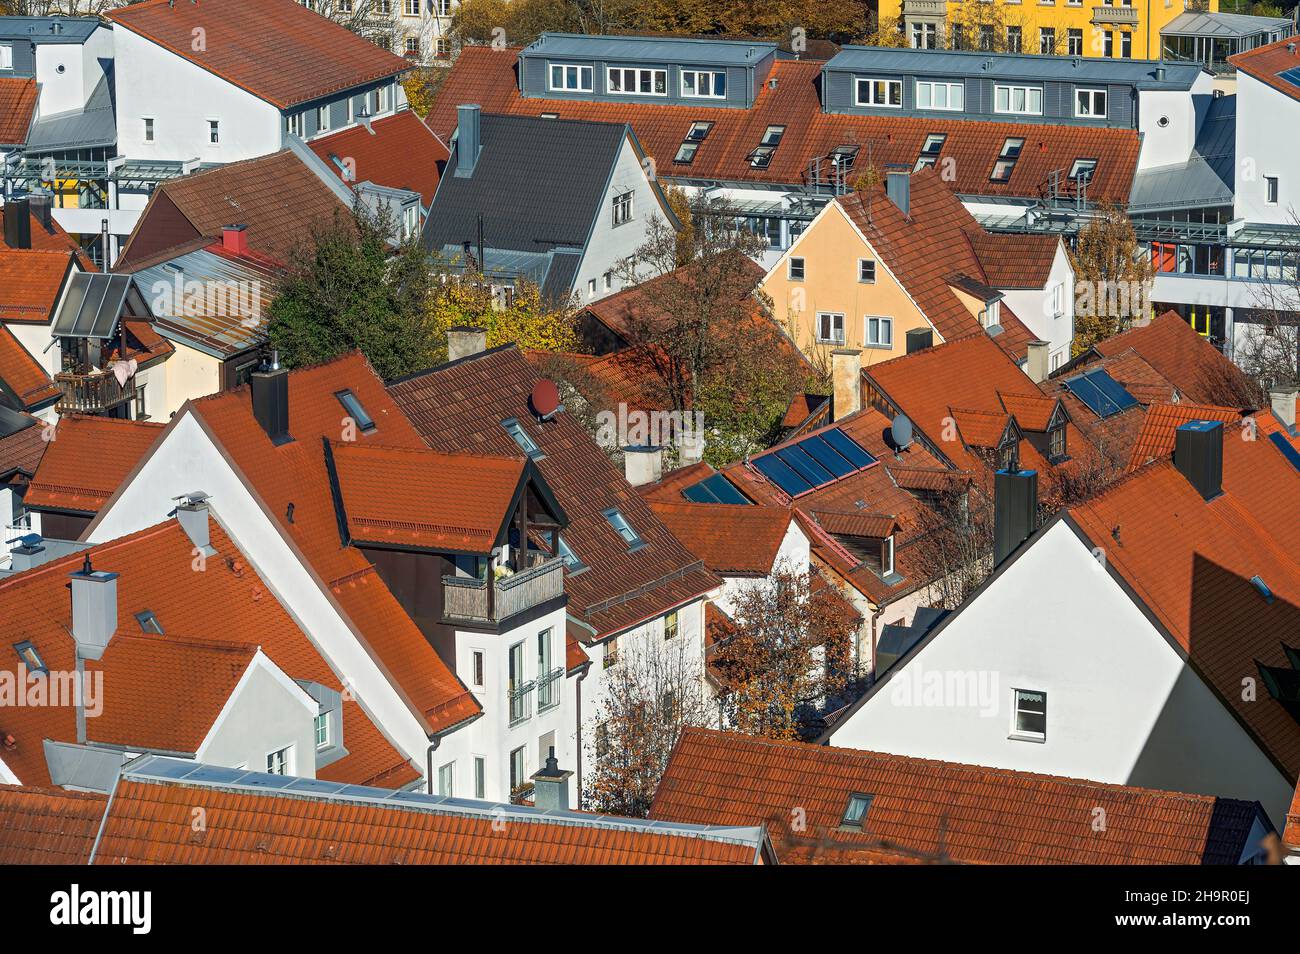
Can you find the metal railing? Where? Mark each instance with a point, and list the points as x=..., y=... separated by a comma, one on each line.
x=468, y=598
x=548, y=695
x=521, y=703
x=92, y=393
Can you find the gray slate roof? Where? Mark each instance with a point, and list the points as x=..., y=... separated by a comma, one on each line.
x=640, y=49
x=538, y=184
x=1140, y=73
x=1221, y=24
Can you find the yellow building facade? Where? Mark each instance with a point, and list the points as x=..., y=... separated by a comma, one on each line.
x=1115, y=28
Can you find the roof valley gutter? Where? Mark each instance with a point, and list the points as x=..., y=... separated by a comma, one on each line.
x=103, y=822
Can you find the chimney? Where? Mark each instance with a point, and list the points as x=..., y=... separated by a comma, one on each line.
x=40, y=204
x=27, y=555
x=1160, y=74
x=1198, y=455
x=192, y=515
x=690, y=446
x=464, y=341
x=1015, y=510
x=1036, y=365
x=18, y=223
x=468, y=144
x=642, y=464
x=918, y=339
x=898, y=186
x=270, y=386
x=94, y=610
x=234, y=239
x=551, y=786
x=846, y=377
x=1283, y=400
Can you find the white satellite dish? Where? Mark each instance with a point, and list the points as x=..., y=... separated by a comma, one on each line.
x=900, y=431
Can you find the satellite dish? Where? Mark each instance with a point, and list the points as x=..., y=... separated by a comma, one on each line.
x=545, y=399
x=900, y=431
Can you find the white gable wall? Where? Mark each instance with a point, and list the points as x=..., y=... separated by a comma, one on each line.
x=267, y=712
x=1122, y=706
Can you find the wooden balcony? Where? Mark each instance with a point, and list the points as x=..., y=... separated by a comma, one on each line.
x=92, y=393
x=466, y=599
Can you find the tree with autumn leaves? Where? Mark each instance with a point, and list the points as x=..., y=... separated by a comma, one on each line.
x=1112, y=279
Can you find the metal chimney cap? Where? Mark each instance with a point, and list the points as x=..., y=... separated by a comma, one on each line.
x=551, y=771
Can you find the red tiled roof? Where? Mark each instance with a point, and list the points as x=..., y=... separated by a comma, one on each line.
x=87, y=460
x=487, y=76
x=21, y=451
x=938, y=811
x=419, y=498
x=296, y=473
x=731, y=539
x=53, y=239
x=275, y=49
x=149, y=823
x=1266, y=63
x=1156, y=437
x=17, y=104
x=48, y=826
x=802, y=407
x=858, y=523
x=22, y=375
x=1185, y=359
x=982, y=429
x=398, y=151
x=1191, y=562
x=575, y=657
x=460, y=407
x=226, y=604
x=1033, y=412
x=670, y=486
x=280, y=200
x=936, y=220
x=629, y=376
x=30, y=282
x=1022, y=261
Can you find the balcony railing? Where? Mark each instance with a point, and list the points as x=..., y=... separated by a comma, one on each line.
x=925, y=8
x=92, y=393
x=1123, y=16
x=548, y=690
x=468, y=598
x=521, y=703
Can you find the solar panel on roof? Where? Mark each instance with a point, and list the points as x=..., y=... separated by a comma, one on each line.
x=848, y=447
x=1103, y=395
x=1292, y=75
x=805, y=466
x=819, y=450
x=92, y=305
x=780, y=474
x=1289, y=452
x=813, y=462
x=1112, y=389
x=714, y=489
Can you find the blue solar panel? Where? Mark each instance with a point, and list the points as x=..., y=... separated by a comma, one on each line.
x=848, y=447
x=714, y=489
x=780, y=474
x=817, y=448
x=1112, y=389
x=1285, y=447
x=1292, y=75
x=1101, y=393
x=805, y=466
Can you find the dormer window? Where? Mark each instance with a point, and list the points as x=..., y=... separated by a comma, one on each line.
x=855, y=812
x=637, y=82
x=566, y=78
x=1090, y=103
x=352, y=404
x=704, y=84
x=1056, y=443
x=1009, y=454
x=878, y=92
x=522, y=438
x=624, y=529
x=29, y=657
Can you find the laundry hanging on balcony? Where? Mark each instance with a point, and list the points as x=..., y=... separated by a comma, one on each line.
x=124, y=370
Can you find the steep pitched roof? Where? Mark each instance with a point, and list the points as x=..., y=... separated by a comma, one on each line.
x=1268, y=63
x=17, y=106
x=52, y=239
x=487, y=76
x=1023, y=262
x=305, y=823
x=1188, y=361
x=22, y=443
x=907, y=243
x=1161, y=421
x=1191, y=563
x=293, y=483
x=729, y=538
x=225, y=605
x=275, y=49
x=280, y=200
x=20, y=374
x=48, y=826
x=87, y=460
x=460, y=407
x=30, y=283
x=938, y=811
x=398, y=151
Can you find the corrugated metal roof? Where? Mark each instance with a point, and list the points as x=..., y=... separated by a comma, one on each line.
x=1221, y=24
x=640, y=49
x=1142, y=73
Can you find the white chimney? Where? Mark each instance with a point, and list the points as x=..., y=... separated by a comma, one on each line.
x=94, y=610
x=464, y=341
x=551, y=786
x=846, y=376
x=642, y=465
x=192, y=515
x=1036, y=364
x=1283, y=401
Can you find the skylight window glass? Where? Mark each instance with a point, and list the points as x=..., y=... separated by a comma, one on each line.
x=855, y=812
x=352, y=405
x=686, y=153
x=565, y=553
x=29, y=657
x=1082, y=170
x=772, y=136
x=623, y=528
x=522, y=438
x=149, y=622
x=699, y=131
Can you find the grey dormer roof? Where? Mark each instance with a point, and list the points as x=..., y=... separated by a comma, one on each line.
x=684, y=51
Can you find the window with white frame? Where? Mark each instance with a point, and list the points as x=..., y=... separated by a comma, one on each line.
x=570, y=78
x=444, y=7
x=830, y=327
x=447, y=779
x=480, y=777
x=1090, y=103
x=609, y=656
x=280, y=762
x=6, y=56
x=867, y=271
x=322, y=730
x=933, y=95
x=1026, y=100
x=1058, y=299
x=1029, y=715
x=442, y=47
x=879, y=331
x=1074, y=42
x=637, y=82
x=345, y=6
x=477, y=668
x=877, y=92
x=887, y=555
x=704, y=84
x=518, y=768
x=623, y=208
x=411, y=8
x=672, y=624
x=413, y=45
x=1046, y=40
x=1015, y=42
x=293, y=125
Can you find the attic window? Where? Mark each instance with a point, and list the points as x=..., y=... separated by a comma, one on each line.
x=686, y=152
x=698, y=132
x=624, y=529
x=565, y=552
x=855, y=812
x=844, y=155
x=1083, y=170
x=1056, y=443
x=930, y=150
x=1258, y=583
x=761, y=157
x=522, y=438
x=29, y=657
x=355, y=411
x=1006, y=160
x=149, y=622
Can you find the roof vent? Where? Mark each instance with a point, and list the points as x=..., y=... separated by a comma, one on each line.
x=1290, y=48
x=771, y=84
x=1160, y=74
